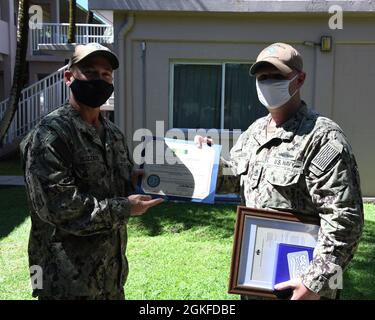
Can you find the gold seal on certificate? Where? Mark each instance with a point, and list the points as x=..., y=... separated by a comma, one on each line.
x=179, y=170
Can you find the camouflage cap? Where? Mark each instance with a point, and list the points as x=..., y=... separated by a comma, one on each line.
x=281, y=55
x=82, y=52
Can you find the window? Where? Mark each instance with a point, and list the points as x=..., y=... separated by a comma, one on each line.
x=221, y=96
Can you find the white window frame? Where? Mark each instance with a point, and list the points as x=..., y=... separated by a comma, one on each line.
x=203, y=62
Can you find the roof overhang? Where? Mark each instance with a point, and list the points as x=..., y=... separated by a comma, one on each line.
x=62, y=50
x=234, y=6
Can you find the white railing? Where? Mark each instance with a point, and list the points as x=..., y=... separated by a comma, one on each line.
x=35, y=102
x=57, y=33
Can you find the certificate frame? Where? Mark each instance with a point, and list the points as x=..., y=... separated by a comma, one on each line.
x=210, y=198
x=242, y=278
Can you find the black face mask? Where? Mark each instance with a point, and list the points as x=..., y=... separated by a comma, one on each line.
x=92, y=93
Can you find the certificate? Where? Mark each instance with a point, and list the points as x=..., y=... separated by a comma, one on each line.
x=266, y=239
x=179, y=170
x=257, y=237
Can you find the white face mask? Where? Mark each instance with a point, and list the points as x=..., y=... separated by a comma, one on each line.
x=274, y=93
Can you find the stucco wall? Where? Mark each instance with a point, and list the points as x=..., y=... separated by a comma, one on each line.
x=339, y=83
x=36, y=68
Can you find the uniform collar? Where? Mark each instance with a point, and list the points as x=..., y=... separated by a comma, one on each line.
x=83, y=126
x=285, y=131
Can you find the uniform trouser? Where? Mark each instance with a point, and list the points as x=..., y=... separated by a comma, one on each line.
x=117, y=295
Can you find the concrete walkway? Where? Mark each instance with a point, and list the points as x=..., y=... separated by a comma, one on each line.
x=11, y=181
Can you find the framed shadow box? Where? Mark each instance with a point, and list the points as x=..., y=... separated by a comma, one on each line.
x=258, y=233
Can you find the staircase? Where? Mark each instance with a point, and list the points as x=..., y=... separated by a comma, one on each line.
x=36, y=101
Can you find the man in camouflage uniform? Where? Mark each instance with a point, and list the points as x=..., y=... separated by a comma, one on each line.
x=79, y=178
x=296, y=160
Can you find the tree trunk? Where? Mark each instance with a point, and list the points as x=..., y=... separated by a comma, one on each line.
x=19, y=67
x=72, y=22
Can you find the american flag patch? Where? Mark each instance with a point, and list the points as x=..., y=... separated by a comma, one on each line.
x=326, y=155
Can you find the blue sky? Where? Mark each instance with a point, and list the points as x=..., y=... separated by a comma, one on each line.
x=82, y=3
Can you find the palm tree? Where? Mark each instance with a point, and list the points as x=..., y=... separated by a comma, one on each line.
x=19, y=67
x=72, y=22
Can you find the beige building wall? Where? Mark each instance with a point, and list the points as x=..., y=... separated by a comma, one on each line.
x=39, y=69
x=339, y=83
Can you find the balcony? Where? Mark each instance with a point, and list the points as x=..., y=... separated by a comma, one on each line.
x=50, y=36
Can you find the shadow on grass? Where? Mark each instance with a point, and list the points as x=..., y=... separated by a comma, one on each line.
x=359, y=279
x=11, y=165
x=216, y=220
x=13, y=209
x=167, y=218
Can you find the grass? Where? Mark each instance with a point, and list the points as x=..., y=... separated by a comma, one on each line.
x=175, y=252
x=11, y=166
x=181, y=252
x=14, y=232
x=360, y=277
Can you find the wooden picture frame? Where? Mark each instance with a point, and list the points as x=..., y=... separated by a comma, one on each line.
x=249, y=275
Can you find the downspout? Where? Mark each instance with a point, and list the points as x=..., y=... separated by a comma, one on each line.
x=144, y=87
x=120, y=92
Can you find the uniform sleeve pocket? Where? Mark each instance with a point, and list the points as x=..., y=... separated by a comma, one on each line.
x=283, y=178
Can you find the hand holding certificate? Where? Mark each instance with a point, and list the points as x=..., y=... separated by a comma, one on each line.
x=179, y=170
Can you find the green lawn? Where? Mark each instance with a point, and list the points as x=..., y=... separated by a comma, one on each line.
x=175, y=252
